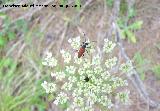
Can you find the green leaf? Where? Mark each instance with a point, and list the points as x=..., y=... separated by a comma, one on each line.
x=2, y=41
x=131, y=12
x=121, y=23
x=141, y=73
x=141, y=64
x=11, y=35
x=131, y=36
x=22, y=25
x=139, y=59
x=156, y=70
x=136, y=25
x=122, y=34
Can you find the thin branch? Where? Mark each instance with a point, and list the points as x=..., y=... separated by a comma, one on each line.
x=47, y=23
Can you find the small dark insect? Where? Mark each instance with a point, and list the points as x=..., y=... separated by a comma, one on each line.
x=82, y=49
x=86, y=79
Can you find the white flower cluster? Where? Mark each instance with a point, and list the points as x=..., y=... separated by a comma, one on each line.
x=61, y=98
x=123, y=96
x=108, y=46
x=75, y=42
x=86, y=81
x=96, y=60
x=49, y=87
x=58, y=75
x=66, y=56
x=49, y=60
x=127, y=67
x=111, y=62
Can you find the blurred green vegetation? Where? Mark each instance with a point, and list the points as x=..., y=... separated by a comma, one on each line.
x=110, y=2
x=141, y=64
x=20, y=88
x=9, y=29
x=156, y=70
x=127, y=29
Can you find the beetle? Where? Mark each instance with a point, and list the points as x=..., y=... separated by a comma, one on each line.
x=83, y=49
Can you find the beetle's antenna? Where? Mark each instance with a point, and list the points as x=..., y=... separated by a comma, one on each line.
x=84, y=37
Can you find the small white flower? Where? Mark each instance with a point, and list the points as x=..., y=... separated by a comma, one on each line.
x=111, y=62
x=61, y=98
x=126, y=67
x=86, y=64
x=52, y=87
x=123, y=96
x=82, y=78
x=108, y=46
x=70, y=69
x=49, y=60
x=98, y=70
x=58, y=75
x=78, y=101
x=48, y=54
x=49, y=87
x=66, y=56
x=96, y=60
x=77, y=92
x=76, y=59
x=105, y=75
x=87, y=108
x=75, y=42
x=81, y=71
x=72, y=79
x=67, y=86
x=70, y=40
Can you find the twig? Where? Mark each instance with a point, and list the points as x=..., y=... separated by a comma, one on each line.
x=84, y=7
x=13, y=47
x=47, y=23
x=82, y=10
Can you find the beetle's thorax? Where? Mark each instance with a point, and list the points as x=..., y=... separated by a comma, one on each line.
x=84, y=46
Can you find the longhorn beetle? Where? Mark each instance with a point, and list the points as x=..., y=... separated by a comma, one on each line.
x=83, y=48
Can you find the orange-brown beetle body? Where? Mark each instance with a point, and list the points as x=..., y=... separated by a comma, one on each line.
x=82, y=49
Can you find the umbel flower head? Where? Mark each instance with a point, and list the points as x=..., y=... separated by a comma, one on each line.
x=87, y=81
